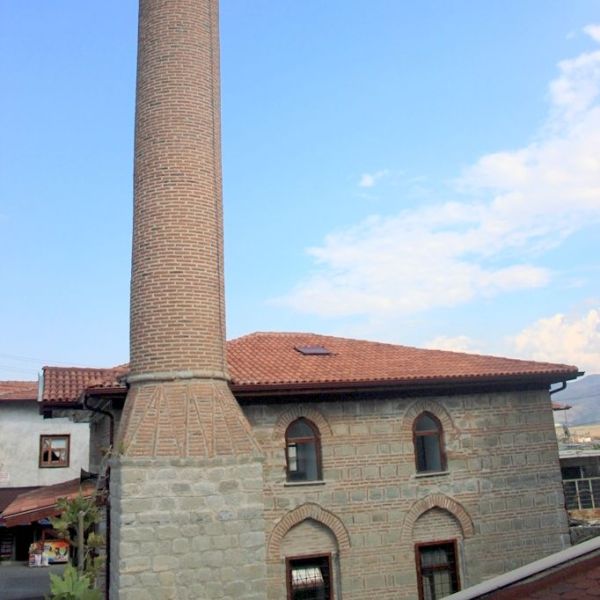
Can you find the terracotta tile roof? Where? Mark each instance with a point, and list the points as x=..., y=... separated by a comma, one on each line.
x=18, y=390
x=578, y=581
x=571, y=581
x=7, y=495
x=271, y=359
x=41, y=502
x=571, y=574
x=66, y=384
x=262, y=361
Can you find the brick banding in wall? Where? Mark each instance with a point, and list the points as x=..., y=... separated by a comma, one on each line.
x=420, y=406
x=295, y=412
x=437, y=501
x=308, y=510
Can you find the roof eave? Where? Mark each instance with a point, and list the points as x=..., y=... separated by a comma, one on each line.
x=433, y=384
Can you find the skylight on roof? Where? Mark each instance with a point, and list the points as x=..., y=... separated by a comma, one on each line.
x=313, y=350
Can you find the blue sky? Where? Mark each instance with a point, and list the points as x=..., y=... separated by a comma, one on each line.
x=423, y=173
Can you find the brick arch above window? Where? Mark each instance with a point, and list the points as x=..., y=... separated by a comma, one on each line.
x=444, y=502
x=295, y=412
x=436, y=409
x=313, y=511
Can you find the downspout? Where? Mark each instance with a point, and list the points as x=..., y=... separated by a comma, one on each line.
x=563, y=386
x=40, y=396
x=111, y=433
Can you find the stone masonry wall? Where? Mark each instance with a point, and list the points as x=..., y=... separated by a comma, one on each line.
x=502, y=486
x=187, y=529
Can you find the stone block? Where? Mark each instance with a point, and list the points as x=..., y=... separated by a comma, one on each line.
x=135, y=564
x=164, y=563
x=181, y=546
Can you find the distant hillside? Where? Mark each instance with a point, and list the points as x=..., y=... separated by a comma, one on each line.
x=584, y=396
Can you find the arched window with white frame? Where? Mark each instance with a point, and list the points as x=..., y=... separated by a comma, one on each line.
x=303, y=451
x=428, y=437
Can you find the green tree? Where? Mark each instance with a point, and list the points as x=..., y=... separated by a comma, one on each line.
x=76, y=523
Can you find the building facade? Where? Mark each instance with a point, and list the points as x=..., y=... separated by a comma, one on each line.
x=382, y=476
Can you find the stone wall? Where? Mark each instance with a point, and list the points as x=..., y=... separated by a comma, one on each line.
x=501, y=492
x=187, y=529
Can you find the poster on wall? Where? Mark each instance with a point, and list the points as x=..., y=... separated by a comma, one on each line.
x=55, y=551
x=48, y=552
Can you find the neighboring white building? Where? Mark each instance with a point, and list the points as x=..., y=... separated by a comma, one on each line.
x=35, y=451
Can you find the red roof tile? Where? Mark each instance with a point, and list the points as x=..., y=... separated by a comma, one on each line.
x=18, y=390
x=7, y=495
x=573, y=580
x=570, y=574
x=41, y=503
x=66, y=384
x=271, y=360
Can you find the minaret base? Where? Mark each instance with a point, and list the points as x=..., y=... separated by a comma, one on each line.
x=187, y=505
x=185, y=418
x=187, y=529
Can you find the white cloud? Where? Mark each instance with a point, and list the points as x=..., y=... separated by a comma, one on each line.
x=571, y=340
x=368, y=180
x=455, y=251
x=459, y=343
x=593, y=31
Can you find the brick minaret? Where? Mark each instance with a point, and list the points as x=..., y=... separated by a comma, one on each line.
x=188, y=462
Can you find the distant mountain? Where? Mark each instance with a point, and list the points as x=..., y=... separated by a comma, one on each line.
x=584, y=396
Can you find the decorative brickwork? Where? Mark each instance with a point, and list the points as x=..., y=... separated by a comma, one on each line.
x=185, y=419
x=436, y=524
x=301, y=410
x=299, y=514
x=438, y=501
x=434, y=407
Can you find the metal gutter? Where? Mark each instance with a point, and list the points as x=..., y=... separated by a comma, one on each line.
x=433, y=384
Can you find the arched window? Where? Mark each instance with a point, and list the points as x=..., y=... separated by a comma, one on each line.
x=428, y=438
x=303, y=451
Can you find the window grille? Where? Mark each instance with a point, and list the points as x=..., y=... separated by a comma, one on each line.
x=437, y=570
x=309, y=578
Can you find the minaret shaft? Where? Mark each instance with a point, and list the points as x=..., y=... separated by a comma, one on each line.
x=177, y=306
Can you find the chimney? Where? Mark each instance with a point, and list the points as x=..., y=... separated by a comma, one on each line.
x=182, y=434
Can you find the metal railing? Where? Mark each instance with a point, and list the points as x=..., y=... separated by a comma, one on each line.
x=582, y=493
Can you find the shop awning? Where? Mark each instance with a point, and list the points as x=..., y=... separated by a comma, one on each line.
x=41, y=503
x=7, y=495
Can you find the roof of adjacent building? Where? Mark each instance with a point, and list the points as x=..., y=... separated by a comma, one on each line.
x=66, y=384
x=7, y=495
x=41, y=503
x=18, y=390
x=559, y=406
x=570, y=574
x=263, y=362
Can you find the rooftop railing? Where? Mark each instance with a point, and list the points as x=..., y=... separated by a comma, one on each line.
x=581, y=494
